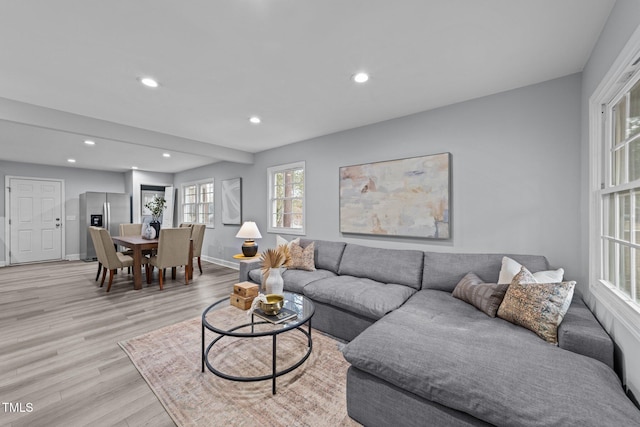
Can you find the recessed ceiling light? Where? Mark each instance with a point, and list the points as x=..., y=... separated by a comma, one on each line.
x=71, y=160
x=134, y=168
x=360, y=77
x=89, y=142
x=149, y=82
x=166, y=155
x=255, y=120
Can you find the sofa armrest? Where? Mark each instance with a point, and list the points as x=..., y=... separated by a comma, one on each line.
x=245, y=267
x=581, y=333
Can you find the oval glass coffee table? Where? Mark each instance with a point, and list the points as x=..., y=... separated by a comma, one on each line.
x=301, y=305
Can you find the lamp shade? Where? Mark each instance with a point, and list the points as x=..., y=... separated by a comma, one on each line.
x=249, y=230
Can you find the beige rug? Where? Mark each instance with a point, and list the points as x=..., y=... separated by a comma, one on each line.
x=312, y=395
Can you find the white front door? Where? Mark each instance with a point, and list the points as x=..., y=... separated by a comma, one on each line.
x=35, y=220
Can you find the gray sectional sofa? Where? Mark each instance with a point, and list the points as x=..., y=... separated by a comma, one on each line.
x=421, y=357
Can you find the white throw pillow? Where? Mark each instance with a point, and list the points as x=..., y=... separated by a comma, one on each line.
x=512, y=267
x=282, y=241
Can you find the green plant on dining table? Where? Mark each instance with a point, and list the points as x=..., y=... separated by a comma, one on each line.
x=156, y=207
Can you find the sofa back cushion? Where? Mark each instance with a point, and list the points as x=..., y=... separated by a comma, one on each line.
x=443, y=271
x=403, y=267
x=327, y=255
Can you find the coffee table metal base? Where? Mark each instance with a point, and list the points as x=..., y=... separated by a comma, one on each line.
x=274, y=372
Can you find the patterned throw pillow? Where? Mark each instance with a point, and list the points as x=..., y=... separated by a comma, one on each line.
x=486, y=297
x=539, y=307
x=302, y=259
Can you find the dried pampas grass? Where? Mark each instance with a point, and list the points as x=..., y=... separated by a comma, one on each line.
x=275, y=258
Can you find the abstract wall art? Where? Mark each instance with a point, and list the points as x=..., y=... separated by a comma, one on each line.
x=407, y=197
x=232, y=201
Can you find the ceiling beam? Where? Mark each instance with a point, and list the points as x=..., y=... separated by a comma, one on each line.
x=88, y=127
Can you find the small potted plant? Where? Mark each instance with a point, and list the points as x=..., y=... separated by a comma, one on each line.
x=156, y=207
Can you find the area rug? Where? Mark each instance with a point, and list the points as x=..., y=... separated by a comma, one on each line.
x=312, y=395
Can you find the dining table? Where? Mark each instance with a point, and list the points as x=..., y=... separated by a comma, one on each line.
x=137, y=244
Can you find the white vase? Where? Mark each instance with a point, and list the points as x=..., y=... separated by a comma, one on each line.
x=148, y=232
x=274, y=283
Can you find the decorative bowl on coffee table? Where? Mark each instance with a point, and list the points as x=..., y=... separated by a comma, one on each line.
x=273, y=305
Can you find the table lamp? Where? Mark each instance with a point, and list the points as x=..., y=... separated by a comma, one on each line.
x=249, y=231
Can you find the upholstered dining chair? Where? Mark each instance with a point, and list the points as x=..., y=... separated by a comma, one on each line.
x=97, y=244
x=130, y=229
x=112, y=260
x=173, y=251
x=197, y=236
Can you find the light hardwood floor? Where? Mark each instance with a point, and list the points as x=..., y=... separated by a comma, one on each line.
x=59, y=334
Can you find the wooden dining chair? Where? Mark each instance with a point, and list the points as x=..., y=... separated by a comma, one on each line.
x=173, y=251
x=113, y=259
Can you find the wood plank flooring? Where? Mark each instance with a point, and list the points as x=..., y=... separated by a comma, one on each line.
x=59, y=334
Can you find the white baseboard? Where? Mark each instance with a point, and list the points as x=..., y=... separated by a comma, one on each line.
x=69, y=257
x=222, y=262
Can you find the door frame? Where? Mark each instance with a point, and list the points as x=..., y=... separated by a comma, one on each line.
x=7, y=214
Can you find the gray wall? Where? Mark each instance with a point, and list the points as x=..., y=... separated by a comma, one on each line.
x=515, y=175
x=76, y=181
x=623, y=21
x=220, y=243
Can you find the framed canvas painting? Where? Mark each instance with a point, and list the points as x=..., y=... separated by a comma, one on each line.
x=407, y=197
x=232, y=201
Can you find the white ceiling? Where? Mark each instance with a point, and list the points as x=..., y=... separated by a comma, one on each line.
x=69, y=70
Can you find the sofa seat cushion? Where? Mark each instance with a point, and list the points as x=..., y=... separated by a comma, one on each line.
x=581, y=333
x=296, y=280
x=362, y=296
x=444, y=350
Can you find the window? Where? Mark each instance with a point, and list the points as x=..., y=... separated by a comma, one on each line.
x=615, y=171
x=197, y=202
x=620, y=196
x=286, y=198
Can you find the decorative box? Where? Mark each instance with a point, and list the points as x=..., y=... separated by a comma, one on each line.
x=245, y=289
x=243, y=303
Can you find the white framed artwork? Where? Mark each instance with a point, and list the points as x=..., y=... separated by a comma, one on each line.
x=232, y=201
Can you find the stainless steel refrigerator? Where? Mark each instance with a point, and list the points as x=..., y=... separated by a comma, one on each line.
x=107, y=210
